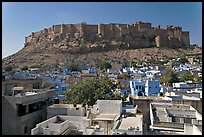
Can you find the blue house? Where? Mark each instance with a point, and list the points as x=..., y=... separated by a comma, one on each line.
x=152, y=87
x=92, y=71
x=136, y=87
x=59, y=91
x=68, y=72
x=124, y=91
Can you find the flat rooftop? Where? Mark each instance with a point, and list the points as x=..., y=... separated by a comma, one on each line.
x=183, y=113
x=172, y=106
x=131, y=122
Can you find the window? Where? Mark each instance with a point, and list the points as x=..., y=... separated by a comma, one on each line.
x=21, y=110
x=25, y=130
x=36, y=86
x=137, y=87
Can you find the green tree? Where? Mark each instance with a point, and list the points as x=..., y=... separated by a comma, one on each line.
x=24, y=68
x=104, y=65
x=183, y=60
x=87, y=92
x=169, y=76
x=134, y=64
x=72, y=67
x=35, y=66
x=197, y=78
x=124, y=97
x=187, y=77
x=126, y=75
x=8, y=68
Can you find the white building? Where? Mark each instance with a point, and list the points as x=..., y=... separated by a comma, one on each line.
x=103, y=118
x=175, y=119
x=59, y=125
x=181, y=86
x=65, y=109
x=103, y=106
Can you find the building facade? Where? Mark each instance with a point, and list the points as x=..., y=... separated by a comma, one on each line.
x=23, y=108
x=137, y=87
x=175, y=119
x=152, y=87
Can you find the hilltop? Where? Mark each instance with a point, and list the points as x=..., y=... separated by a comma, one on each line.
x=87, y=44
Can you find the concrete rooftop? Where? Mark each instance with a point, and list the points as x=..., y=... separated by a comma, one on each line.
x=131, y=122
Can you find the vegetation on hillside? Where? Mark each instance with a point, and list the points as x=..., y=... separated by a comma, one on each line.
x=170, y=76
x=104, y=65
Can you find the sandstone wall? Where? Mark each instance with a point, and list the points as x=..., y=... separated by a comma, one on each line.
x=185, y=38
x=162, y=41
x=57, y=29
x=135, y=35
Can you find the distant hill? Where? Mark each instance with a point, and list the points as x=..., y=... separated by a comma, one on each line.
x=87, y=44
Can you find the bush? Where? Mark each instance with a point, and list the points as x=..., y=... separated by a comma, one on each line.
x=8, y=68
x=24, y=68
x=72, y=67
x=139, y=110
x=104, y=65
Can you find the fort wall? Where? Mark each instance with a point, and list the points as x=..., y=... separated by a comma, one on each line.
x=93, y=29
x=185, y=38
x=140, y=33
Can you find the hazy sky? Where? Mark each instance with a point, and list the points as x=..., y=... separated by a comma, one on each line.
x=20, y=19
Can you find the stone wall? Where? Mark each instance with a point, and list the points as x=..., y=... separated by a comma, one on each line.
x=185, y=38
x=162, y=41
x=135, y=35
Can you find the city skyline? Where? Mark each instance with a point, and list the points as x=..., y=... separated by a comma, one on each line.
x=17, y=23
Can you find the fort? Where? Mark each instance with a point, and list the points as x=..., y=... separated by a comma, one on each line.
x=122, y=36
